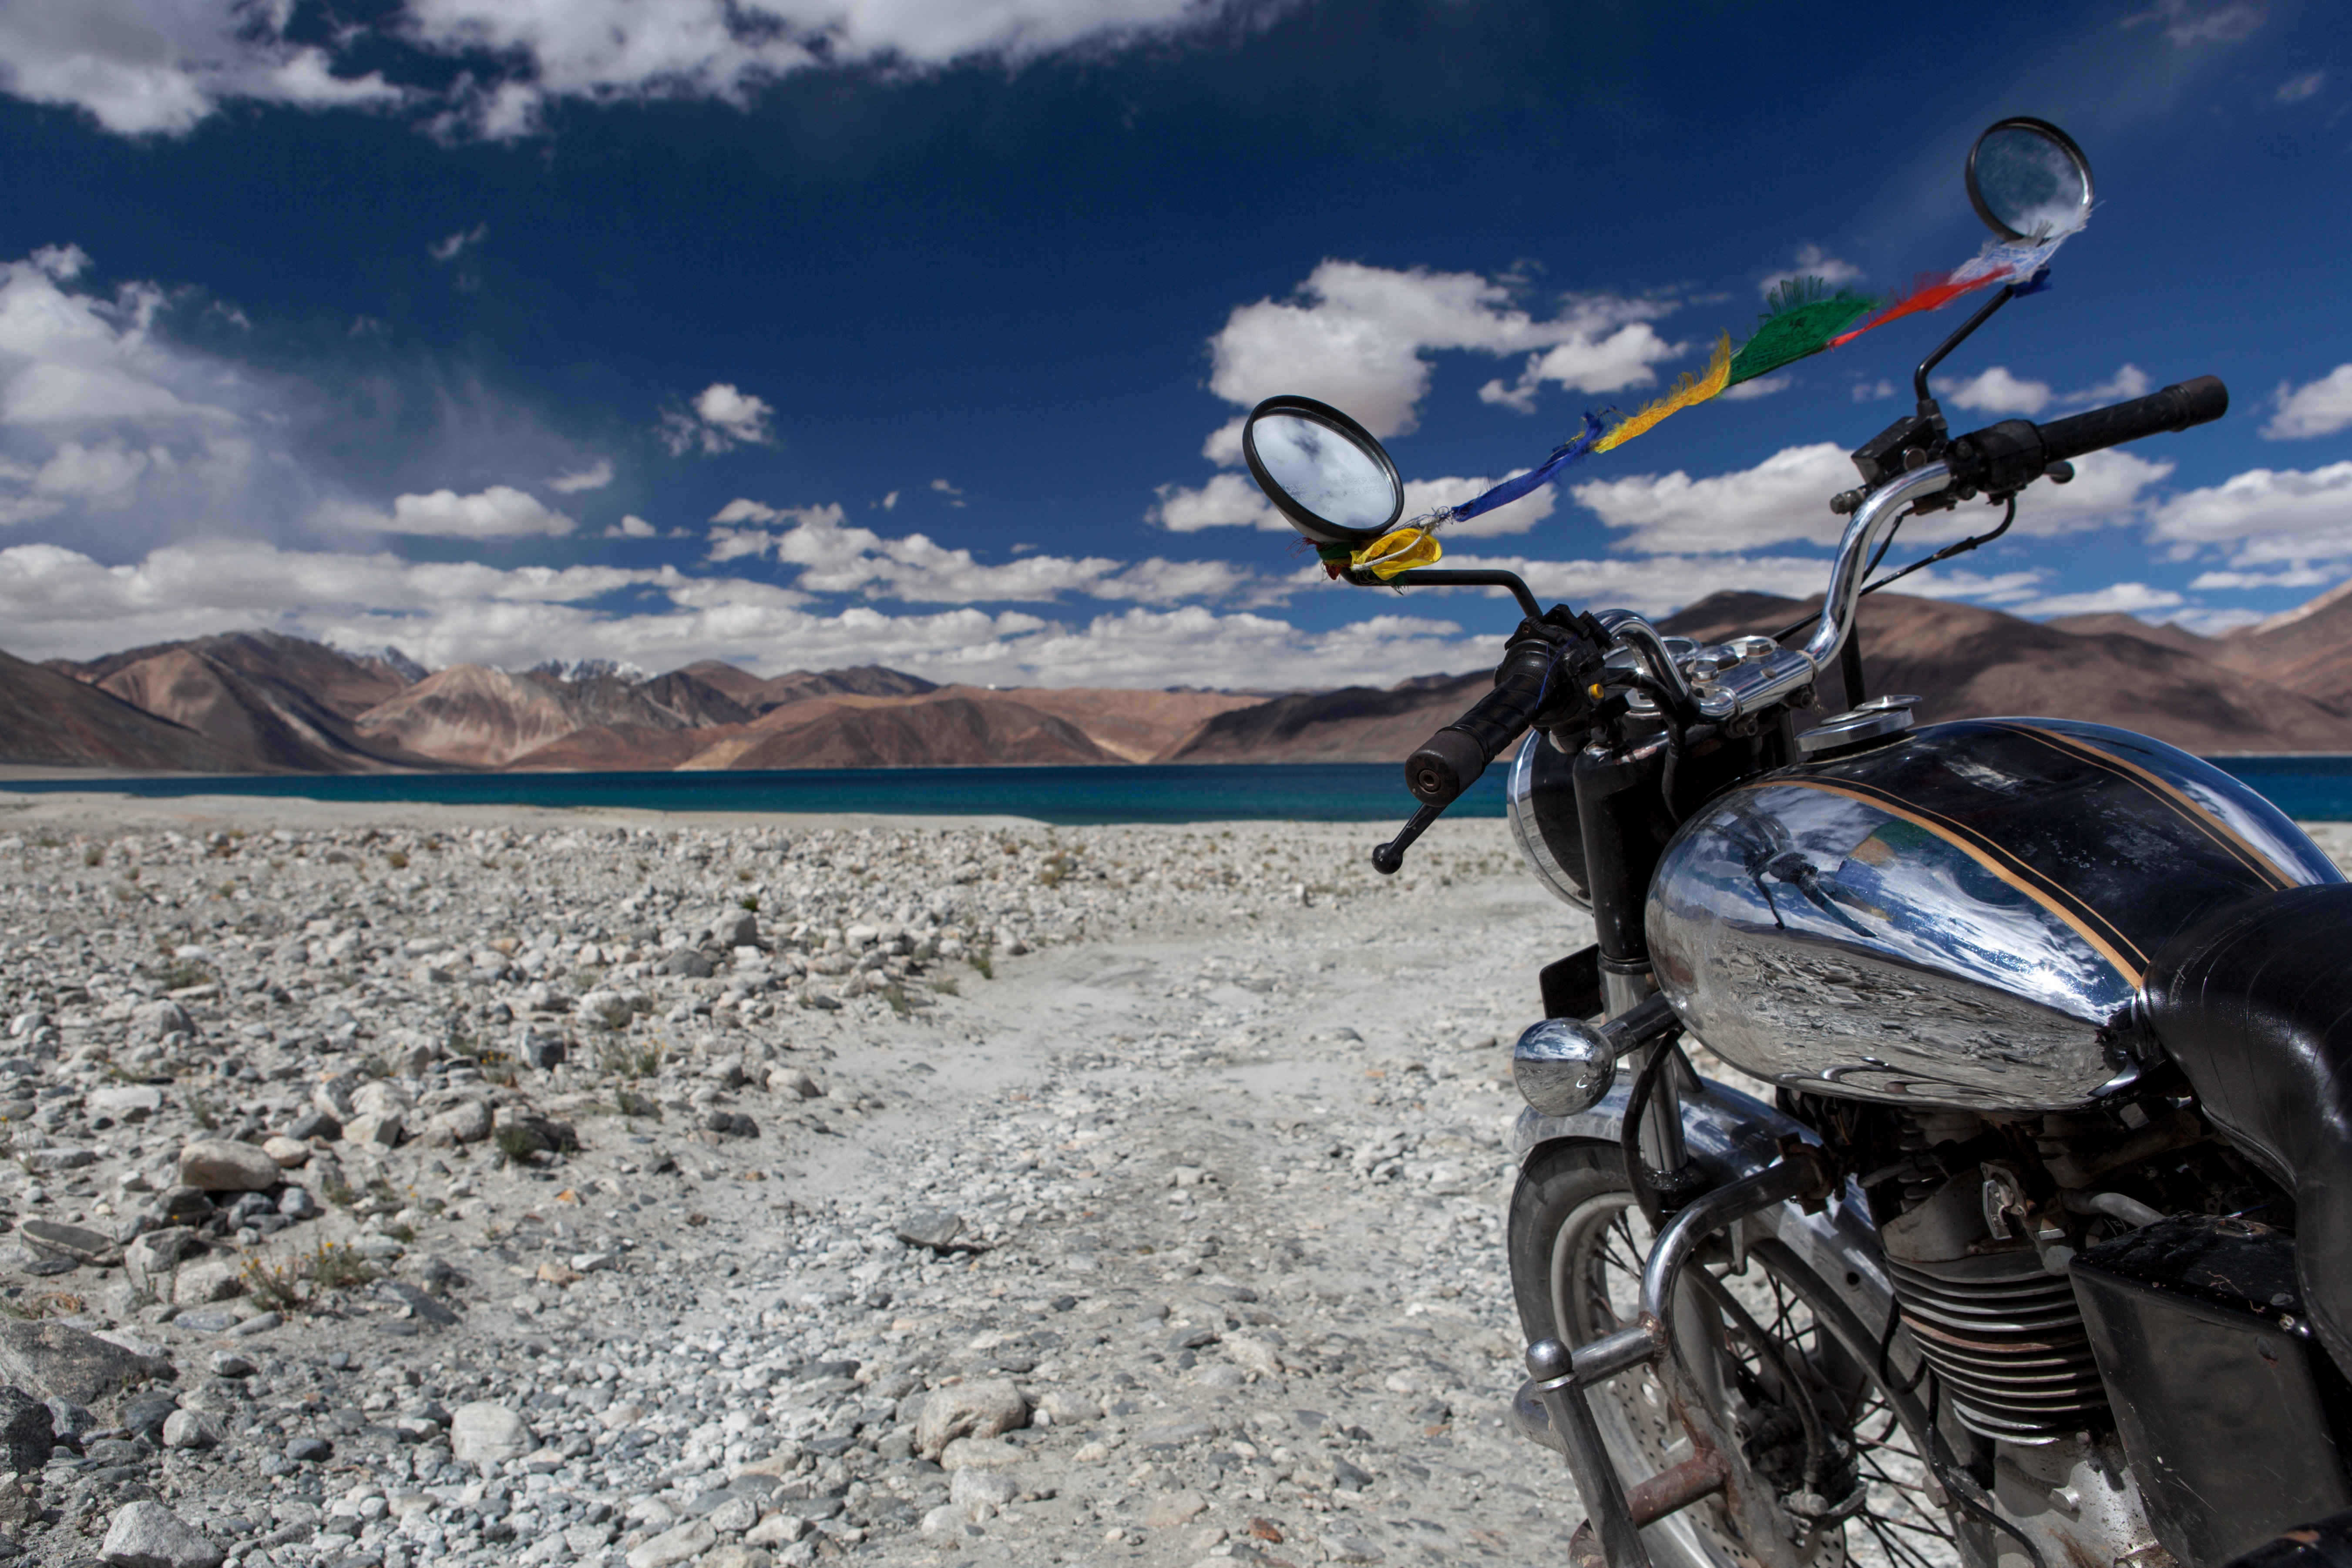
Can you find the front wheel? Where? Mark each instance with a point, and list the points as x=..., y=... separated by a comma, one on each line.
x=1807, y=1410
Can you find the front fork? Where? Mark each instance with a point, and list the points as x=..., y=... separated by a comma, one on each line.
x=1563, y=1379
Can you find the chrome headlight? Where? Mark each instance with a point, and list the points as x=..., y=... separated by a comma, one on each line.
x=1542, y=810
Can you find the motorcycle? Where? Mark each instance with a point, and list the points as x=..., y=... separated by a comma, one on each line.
x=2039, y=1254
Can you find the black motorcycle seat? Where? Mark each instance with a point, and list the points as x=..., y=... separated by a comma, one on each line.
x=2254, y=1004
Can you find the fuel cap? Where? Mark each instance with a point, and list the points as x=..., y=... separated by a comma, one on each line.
x=1873, y=720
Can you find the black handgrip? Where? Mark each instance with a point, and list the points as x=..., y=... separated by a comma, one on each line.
x=1451, y=761
x=2175, y=408
x=2004, y=458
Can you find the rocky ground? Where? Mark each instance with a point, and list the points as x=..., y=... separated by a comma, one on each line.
x=467, y=1186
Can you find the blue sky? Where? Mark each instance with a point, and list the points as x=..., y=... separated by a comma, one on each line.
x=807, y=333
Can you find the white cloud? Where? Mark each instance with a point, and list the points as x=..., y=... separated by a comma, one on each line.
x=1873, y=391
x=632, y=527
x=2267, y=515
x=2127, y=383
x=500, y=511
x=1995, y=391
x=891, y=502
x=2294, y=90
x=2118, y=598
x=1227, y=500
x=2287, y=577
x=141, y=69
x=59, y=603
x=941, y=487
x=448, y=250
x=1785, y=497
x=1812, y=261
x=1356, y=337
x=1654, y=584
x=595, y=477
x=2109, y=490
x=836, y=557
x=2189, y=23
x=2320, y=407
x=1762, y=386
x=720, y=419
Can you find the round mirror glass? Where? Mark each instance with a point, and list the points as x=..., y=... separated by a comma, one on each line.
x=2029, y=181
x=1322, y=470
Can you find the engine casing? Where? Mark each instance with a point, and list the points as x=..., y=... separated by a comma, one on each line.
x=1960, y=916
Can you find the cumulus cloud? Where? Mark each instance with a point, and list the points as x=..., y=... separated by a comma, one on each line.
x=1762, y=386
x=60, y=603
x=2189, y=23
x=2266, y=516
x=2286, y=577
x=141, y=69
x=1782, y=499
x=2294, y=90
x=632, y=527
x=1996, y=391
x=2128, y=381
x=595, y=477
x=500, y=511
x=1358, y=337
x=2116, y=598
x=1227, y=500
x=836, y=558
x=2320, y=407
x=1873, y=391
x=720, y=419
x=1812, y=261
x=144, y=68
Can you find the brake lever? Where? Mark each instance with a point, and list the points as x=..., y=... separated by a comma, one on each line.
x=1389, y=856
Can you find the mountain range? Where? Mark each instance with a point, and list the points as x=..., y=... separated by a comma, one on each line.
x=264, y=702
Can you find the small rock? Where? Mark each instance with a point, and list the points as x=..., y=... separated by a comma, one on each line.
x=540, y=1049
x=797, y=1082
x=127, y=1101
x=316, y=1124
x=52, y=1359
x=680, y=1543
x=146, y=1413
x=193, y=1429
x=980, y=1454
x=373, y=1130
x=76, y=1242
x=467, y=1121
x=1171, y=1509
x=290, y=1153
x=982, y=1409
x=934, y=1228
x=534, y=1133
x=486, y=1430
x=220, y=1165
x=732, y=1555
x=207, y=1280
x=146, y=1534
x=734, y=1516
x=296, y=1203
x=160, y=1019
x=992, y=1489
x=1351, y=1548
x=229, y=1363
x=28, y=1432
x=310, y=1450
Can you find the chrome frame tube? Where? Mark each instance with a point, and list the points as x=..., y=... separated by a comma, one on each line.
x=1650, y=647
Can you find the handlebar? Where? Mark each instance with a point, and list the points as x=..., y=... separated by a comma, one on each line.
x=1451, y=761
x=2011, y=455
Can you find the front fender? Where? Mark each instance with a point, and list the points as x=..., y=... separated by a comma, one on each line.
x=1735, y=1135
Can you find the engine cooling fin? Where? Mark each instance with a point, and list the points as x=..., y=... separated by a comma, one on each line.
x=2006, y=1339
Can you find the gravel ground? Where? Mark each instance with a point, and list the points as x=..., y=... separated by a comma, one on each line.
x=402, y=1187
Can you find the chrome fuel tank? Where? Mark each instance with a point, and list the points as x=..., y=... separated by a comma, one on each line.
x=1956, y=917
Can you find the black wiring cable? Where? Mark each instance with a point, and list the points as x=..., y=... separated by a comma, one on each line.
x=1962, y=548
x=1961, y=1488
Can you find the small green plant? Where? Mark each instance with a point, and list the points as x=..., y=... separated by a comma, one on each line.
x=626, y=1060
x=335, y=1267
x=946, y=986
x=896, y=995
x=95, y=854
x=744, y=874
x=515, y=1145
x=631, y=1103
x=403, y=1234
x=183, y=975
x=748, y=901
x=276, y=1283
x=206, y=1113
x=979, y=960
x=338, y=1193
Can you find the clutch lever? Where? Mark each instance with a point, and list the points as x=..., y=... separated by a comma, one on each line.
x=1389, y=856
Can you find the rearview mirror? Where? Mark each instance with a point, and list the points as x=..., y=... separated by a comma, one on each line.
x=1322, y=470
x=2029, y=181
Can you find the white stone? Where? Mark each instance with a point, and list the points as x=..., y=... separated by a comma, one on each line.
x=981, y=1409
x=680, y=1543
x=146, y=1534
x=487, y=1430
x=222, y=1166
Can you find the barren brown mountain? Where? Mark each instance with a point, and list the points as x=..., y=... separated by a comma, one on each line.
x=974, y=729
x=269, y=724
x=2112, y=624
x=1963, y=661
x=50, y=719
x=346, y=684
x=472, y=716
x=1354, y=724
x=616, y=749
x=2308, y=650
x=1135, y=726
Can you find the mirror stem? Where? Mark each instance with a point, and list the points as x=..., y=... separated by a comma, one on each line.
x=1919, y=377
x=1445, y=577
